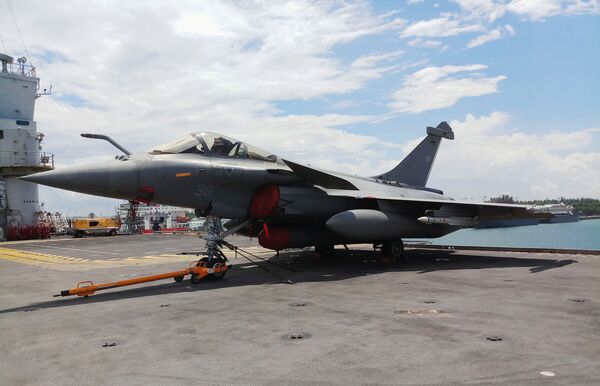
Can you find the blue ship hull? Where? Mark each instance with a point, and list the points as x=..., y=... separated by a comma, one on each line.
x=503, y=223
x=560, y=219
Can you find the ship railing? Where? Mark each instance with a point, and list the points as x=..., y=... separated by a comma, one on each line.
x=24, y=159
x=18, y=69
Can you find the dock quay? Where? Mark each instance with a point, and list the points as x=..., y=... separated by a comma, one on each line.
x=447, y=316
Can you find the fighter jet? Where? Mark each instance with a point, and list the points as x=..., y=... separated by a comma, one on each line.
x=284, y=203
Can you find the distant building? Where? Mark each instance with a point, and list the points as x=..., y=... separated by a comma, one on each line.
x=152, y=216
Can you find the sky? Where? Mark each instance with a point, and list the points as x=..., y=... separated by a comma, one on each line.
x=342, y=85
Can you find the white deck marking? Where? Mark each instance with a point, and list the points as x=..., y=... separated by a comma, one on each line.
x=83, y=250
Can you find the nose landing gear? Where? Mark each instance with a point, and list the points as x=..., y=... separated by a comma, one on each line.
x=215, y=260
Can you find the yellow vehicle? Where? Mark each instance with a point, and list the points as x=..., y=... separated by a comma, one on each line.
x=95, y=226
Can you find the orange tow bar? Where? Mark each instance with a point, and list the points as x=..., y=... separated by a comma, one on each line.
x=198, y=272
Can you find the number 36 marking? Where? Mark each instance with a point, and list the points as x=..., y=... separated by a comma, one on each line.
x=203, y=191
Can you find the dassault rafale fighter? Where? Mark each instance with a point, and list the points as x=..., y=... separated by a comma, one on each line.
x=283, y=203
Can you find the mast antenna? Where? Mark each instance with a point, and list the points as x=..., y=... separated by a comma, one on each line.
x=12, y=12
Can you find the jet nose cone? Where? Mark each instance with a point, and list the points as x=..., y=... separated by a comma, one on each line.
x=77, y=178
x=112, y=179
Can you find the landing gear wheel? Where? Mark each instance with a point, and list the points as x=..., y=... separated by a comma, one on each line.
x=394, y=250
x=217, y=275
x=178, y=279
x=196, y=279
x=215, y=262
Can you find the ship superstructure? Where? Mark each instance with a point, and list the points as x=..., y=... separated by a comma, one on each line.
x=20, y=143
x=558, y=213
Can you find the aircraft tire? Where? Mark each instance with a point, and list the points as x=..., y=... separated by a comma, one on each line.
x=217, y=276
x=195, y=279
x=394, y=250
x=178, y=279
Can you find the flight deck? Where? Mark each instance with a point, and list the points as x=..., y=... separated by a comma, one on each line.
x=445, y=316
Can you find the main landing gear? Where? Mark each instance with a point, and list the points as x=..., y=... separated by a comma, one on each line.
x=393, y=251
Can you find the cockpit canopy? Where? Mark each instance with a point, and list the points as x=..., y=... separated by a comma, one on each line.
x=214, y=145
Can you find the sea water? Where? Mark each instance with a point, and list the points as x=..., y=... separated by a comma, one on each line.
x=584, y=234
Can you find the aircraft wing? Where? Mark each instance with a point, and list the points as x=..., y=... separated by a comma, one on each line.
x=320, y=178
x=426, y=206
x=385, y=196
x=444, y=211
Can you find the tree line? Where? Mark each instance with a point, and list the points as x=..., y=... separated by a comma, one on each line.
x=584, y=206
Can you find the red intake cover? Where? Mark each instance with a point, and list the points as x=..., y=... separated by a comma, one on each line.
x=264, y=202
x=276, y=238
x=144, y=194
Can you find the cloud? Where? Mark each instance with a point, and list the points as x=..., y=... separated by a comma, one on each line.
x=535, y=10
x=486, y=9
x=495, y=34
x=206, y=55
x=200, y=24
x=481, y=15
x=425, y=43
x=438, y=87
x=490, y=156
x=442, y=26
x=473, y=126
x=576, y=7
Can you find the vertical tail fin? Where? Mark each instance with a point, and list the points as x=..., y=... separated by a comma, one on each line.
x=415, y=168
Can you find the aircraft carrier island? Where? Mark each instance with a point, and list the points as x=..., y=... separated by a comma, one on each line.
x=20, y=145
x=442, y=317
